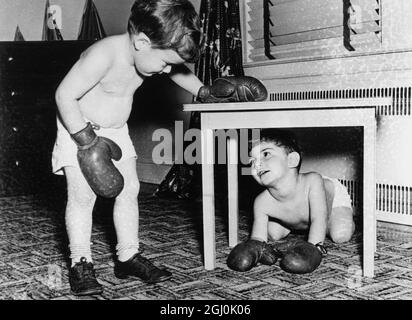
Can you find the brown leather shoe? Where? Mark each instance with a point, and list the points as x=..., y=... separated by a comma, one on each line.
x=140, y=267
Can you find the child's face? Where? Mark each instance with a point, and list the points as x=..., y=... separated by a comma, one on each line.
x=268, y=162
x=149, y=61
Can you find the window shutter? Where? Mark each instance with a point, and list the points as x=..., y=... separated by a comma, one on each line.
x=301, y=28
x=365, y=24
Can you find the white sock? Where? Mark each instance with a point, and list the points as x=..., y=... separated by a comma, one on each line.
x=125, y=252
x=78, y=251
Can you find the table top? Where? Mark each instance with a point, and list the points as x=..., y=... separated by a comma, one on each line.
x=295, y=104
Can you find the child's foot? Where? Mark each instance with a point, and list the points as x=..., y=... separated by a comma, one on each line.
x=141, y=267
x=83, y=280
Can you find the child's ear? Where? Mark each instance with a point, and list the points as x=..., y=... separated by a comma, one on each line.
x=141, y=40
x=293, y=159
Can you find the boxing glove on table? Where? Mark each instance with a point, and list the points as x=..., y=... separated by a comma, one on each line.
x=246, y=255
x=233, y=89
x=304, y=257
x=95, y=156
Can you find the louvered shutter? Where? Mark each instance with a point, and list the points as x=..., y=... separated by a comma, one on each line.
x=301, y=28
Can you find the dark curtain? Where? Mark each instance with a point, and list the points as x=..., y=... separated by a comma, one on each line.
x=50, y=33
x=221, y=56
x=91, y=27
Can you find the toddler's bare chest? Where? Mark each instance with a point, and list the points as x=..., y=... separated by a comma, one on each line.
x=294, y=213
x=121, y=81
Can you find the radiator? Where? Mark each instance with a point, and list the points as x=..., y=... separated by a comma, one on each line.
x=401, y=98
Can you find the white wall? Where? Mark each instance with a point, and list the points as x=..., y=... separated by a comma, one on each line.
x=29, y=16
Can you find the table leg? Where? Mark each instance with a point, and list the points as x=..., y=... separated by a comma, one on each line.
x=369, y=198
x=233, y=197
x=208, y=197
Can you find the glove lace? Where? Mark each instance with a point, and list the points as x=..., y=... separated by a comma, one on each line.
x=321, y=248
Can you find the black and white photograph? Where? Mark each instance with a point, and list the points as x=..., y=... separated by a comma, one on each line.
x=206, y=155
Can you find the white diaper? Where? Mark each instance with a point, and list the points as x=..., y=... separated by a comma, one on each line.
x=341, y=196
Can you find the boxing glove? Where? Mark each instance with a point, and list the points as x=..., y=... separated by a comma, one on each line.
x=233, y=89
x=304, y=257
x=246, y=255
x=95, y=156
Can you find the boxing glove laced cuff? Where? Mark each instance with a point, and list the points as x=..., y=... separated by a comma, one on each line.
x=85, y=138
x=87, y=146
x=321, y=248
x=203, y=92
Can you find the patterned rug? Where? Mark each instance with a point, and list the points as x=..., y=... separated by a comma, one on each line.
x=33, y=258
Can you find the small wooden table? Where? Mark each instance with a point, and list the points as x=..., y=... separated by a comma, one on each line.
x=284, y=114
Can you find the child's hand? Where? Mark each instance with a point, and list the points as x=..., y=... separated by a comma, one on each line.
x=95, y=156
x=304, y=257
